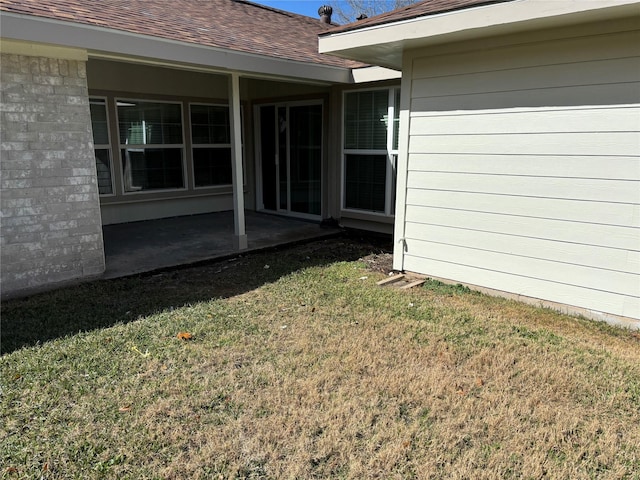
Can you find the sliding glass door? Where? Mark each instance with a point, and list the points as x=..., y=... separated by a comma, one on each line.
x=290, y=158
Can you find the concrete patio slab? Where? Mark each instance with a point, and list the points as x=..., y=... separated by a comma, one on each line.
x=140, y=247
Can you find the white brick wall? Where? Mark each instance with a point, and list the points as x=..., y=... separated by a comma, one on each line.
x=50, y=227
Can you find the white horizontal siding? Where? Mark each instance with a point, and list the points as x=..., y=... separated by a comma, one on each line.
x=573, y=295
x=570, y=211
x=590, y=189
x=570, y=253
x=588, y=143
x=600, y=279
x=523, y=171
x=618, y=168
x=553, y=52
x=627, y=92
x=560, y=230
x=552, y=120
x=519, y=79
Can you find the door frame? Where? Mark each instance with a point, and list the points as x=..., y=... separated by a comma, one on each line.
x=258, y=159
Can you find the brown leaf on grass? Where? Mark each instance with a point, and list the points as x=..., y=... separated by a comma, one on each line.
x=185, y=336
x=45, y=467
x=126, y=408
x=479, y=382
x=11, y=470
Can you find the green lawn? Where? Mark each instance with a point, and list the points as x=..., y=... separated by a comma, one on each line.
x=299, y=366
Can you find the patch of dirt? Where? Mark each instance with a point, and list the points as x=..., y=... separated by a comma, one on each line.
x=230, y=276
x=379, y=262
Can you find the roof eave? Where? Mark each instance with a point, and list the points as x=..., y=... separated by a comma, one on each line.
x=102, y=42
x=384, y=44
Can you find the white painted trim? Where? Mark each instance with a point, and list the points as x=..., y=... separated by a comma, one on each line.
x=106, y=43
x=388, y=188
x=32, y=49
x=121, y=147
x=388, y=152
x=470, y=23
x=402, y=166
x=374, y=74
x=193, y=145
x=105, y=146
x=258, y=159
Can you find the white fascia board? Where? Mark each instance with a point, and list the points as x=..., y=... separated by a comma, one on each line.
x=102, y=42
x=483, y=20
x=374, y=74
x=31, y=49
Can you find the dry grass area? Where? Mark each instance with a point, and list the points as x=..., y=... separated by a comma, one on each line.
x=321, y=374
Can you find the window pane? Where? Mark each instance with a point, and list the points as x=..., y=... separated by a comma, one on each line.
x=99, y=123
x=103, y=168
x=210, y=124
x=212, y=166
x=148, y=123
x=365, y=182
x=152, y=168
x=396, y=120
x=305, y=159
x=366, y=120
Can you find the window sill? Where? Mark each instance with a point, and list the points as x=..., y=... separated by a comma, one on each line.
x=174, y=195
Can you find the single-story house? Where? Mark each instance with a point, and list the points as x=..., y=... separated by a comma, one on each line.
x=497, y=140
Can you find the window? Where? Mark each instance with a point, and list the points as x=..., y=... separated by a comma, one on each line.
x=101, y=145
x=211, y=139
x=370, y=149
x=151, y=144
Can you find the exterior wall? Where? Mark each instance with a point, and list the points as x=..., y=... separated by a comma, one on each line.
x=165, y=208
x=50, y=223
x=112, y=80
x=356, y=219
x=522, y=170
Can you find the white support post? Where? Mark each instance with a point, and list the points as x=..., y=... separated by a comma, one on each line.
x=240, y=236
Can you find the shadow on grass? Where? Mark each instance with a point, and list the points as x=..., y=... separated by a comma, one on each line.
x=104, y=303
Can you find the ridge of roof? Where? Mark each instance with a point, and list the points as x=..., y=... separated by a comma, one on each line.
x=237, y=25
x=420, y=9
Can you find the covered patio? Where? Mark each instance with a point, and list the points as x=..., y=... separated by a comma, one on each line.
x=139, y=247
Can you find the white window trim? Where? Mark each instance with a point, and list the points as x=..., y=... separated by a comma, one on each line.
x=207, y=145
x=390, y=152
x=107, y=146
x=145, y=146
x=258, y=157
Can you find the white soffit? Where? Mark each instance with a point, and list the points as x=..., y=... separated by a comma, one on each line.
x=383, y=44
x=374, y=74
x=107, y=43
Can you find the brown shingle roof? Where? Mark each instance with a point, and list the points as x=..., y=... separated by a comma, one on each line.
x=237, y=25
x=421, y=9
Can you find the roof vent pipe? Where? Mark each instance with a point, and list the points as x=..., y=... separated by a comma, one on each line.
x=325, y=12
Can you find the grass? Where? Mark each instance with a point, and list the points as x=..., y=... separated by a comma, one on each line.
x=299, y=366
